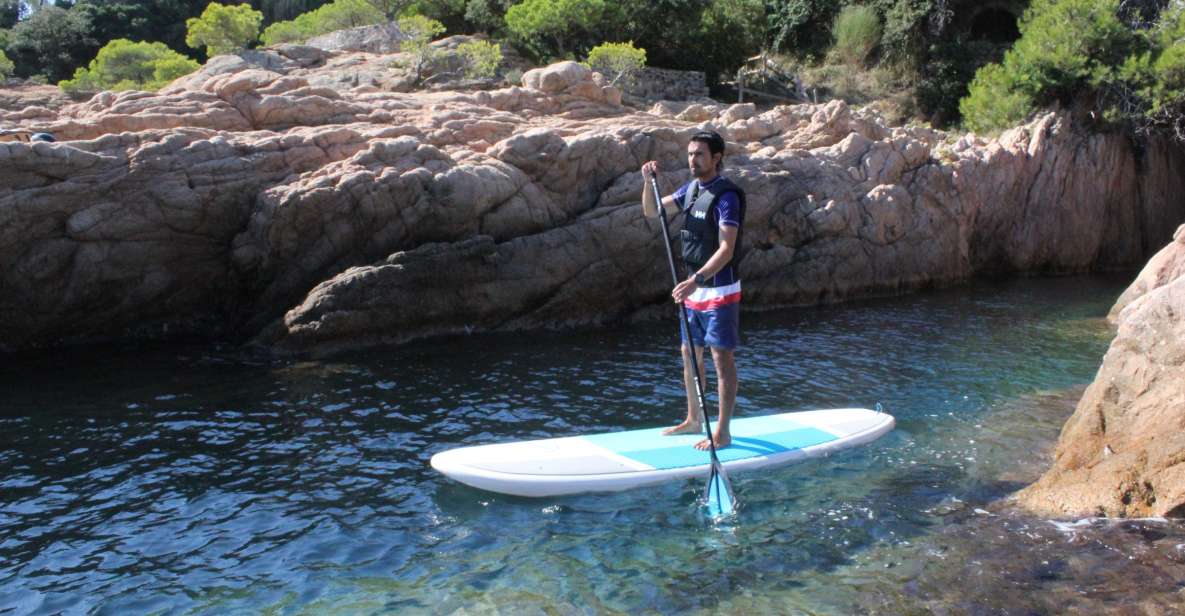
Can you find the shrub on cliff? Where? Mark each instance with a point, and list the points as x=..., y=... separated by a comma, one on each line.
x=479, y=58
x=620, y=62
x=223, y=29
x=127, y=65
x=558, y=27
x=52, y=41
x=1130, y=74
x=1156, y=76
x=6, y=66
x=337, y=15
x=487, y=15
x=1067, y=48
x=419, y=31
x=857, y=30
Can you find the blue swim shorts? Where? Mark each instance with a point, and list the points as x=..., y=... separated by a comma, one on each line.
x=717, y=328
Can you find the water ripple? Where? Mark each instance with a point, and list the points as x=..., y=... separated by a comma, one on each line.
x=209, y=481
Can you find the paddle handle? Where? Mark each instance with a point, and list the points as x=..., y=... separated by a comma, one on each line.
x=683, y=322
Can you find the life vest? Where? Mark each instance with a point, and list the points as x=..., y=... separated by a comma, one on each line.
x=701, y=236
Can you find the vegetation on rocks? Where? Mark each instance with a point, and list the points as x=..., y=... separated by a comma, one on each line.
x=1127, y=67
x=336, y=15
x=420, y=31
x=948, y=62
x=620, y=62
x=128, y=65
x=479, y=58
x=6, y=66
x=857, y=32
x=223, y=29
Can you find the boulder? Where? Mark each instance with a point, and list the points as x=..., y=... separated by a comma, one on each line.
x=1122, y=453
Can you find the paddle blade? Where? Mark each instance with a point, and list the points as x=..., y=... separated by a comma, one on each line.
x=721, y=502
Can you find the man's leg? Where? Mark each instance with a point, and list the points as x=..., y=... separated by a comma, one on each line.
x=726, y=384
x=692, y=424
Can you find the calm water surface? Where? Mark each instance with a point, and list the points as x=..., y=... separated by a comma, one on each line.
x=200, y=479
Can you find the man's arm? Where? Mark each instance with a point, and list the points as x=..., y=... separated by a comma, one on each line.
x=720, y=258
x=649, y=209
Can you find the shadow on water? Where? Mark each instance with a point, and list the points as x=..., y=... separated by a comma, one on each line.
x=200, y=479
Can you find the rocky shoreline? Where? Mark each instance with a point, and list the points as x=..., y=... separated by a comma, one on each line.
x=264, y=199
x=1122, y=453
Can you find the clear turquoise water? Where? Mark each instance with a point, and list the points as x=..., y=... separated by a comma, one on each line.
x=201, y=479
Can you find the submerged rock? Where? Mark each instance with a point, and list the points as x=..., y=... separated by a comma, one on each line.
x=1122, y=453
x=295, y=199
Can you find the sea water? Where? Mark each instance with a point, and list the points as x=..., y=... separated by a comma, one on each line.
x=206, y=479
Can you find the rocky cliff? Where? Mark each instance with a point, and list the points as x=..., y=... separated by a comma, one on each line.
x=1122, y=453
x=289, y=197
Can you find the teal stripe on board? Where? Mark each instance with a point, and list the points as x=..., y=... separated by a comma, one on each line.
x=752, y=437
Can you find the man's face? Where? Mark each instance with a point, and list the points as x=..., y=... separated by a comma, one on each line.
x=700, y=160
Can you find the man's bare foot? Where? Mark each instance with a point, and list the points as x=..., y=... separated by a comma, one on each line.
x=722, y=441
x=687, y=427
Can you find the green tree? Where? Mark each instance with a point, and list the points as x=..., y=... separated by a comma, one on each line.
x=282, y=10
x=996, y=100
x=163, y=21
x=480, y=58
x=10, y=13
x=857, y=30
x=1155, y=77
x=337, y=15
x=390, y=9
x=548, y=27
x=487, y=16
x=127, y=65
x=618, y=61
x=223, y=29
x=1067, y=48
x=730, y=32
x=51, y=42
x=451, y=13
x=285, y=32
x=419, y=31
x=802, y=26
x=6, y=66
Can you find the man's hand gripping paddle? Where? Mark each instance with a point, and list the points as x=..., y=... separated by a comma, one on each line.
x=720, y=500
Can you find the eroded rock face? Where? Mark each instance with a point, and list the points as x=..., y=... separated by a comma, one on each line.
x=294, y=199
x=1122, y=453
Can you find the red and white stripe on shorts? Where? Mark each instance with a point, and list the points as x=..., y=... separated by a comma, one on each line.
x=709, y=298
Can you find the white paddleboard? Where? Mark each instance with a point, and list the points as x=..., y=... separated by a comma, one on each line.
x=635, y=458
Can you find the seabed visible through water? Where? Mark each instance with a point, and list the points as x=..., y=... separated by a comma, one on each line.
x=201, y=479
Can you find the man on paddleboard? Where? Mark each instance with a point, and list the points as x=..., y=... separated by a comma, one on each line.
x=714, y=210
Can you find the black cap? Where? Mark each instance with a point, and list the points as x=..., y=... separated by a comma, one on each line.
x=42, y=137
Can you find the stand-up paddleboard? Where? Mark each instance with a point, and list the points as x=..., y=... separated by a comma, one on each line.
x=624, y=460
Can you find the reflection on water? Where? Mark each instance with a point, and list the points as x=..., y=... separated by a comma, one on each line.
x=207, y=480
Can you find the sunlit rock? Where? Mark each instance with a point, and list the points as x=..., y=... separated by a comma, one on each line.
x=1122, y=453
x=302, y=201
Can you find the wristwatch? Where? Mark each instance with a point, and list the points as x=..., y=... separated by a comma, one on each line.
x=699, y=279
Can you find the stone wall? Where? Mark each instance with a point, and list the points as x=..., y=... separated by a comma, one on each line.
x=655, y=84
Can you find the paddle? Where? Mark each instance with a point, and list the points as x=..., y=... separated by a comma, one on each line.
x=720, y=499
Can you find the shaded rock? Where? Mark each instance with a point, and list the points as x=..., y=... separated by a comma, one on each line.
x=1122, y=453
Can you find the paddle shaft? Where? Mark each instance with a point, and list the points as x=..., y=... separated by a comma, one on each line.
x=683, y=322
